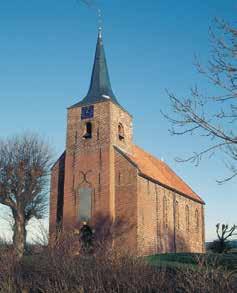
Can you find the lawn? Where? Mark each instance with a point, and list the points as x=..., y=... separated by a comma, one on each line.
x=227, y=261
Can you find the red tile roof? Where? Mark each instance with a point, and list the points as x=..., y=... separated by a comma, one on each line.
x=161, y=172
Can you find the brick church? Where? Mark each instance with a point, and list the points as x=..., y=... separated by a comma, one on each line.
x=103, y=177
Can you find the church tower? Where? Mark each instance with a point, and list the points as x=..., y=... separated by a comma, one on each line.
x=94, y=126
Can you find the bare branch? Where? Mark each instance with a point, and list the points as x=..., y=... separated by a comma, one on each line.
x=212, y=116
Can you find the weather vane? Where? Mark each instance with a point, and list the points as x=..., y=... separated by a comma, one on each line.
x=91, y=4
x=100, y=22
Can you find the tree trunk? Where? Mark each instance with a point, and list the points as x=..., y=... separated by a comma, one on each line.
x=19, y=235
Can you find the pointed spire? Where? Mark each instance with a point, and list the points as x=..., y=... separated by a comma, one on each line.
x=100, y=86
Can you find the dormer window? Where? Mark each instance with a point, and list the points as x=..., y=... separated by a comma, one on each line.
x=120, y=131
x=88, y=130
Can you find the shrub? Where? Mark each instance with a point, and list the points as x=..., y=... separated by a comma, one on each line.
x=61, y=267
x=219, y=247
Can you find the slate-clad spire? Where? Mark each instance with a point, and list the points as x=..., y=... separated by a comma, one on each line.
x=100, y=87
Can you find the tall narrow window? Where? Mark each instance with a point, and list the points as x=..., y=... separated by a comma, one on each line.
x=100, y=157
x=75, y=148
x=120, y=131
x=177, y=214
x=143, y=219
x=99, y=181
x=165, y=211
x=197, y=220
x=187, y=218
x=88, y=130
x=75, y=139
x=84, y=204
x=98, y=133
x=119, y=178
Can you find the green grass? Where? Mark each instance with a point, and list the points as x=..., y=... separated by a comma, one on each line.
x=173, y=260
x=181, y=260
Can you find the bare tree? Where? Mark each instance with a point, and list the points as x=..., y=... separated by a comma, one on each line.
x=224, y=233
x=24, y=168
x=215, y=116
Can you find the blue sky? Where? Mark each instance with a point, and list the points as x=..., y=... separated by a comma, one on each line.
x=46, y=56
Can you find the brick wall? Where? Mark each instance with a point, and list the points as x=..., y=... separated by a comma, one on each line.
x=57, y=194
x=162, y=220
x=125, y=203
x=189, y=237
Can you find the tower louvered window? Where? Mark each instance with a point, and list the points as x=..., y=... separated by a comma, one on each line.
x=88, y=130
x=121, y=131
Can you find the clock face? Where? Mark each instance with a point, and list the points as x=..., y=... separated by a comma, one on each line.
x=87, y=112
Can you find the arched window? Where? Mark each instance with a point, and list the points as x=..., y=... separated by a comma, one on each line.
x=196, y=220
x=177, y=214
x=88, y=130
x=120, y=131
x=187, y=218
x=165, y=212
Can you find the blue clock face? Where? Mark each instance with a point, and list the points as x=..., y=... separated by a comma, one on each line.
x=87, y=112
